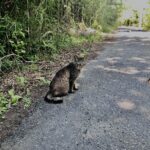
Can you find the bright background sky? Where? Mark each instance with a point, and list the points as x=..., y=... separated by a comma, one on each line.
x=134, y=5
x=137, y=4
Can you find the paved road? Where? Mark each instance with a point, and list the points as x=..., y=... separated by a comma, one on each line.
x=111, y=111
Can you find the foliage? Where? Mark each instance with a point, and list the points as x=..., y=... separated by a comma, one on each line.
x=103, y=13
x=21, y=80
x=43, y=81
x=133, y=16
x=14, y=98
x=27, y=102
x=132, y=20
x=31, y=27
x=4, y=104
x=34, y=30
x=146, y=23
x=11, y=98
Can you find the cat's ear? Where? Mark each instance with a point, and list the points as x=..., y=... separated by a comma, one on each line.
x=76, y=58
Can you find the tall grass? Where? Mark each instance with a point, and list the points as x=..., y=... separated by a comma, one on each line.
x=30, y=27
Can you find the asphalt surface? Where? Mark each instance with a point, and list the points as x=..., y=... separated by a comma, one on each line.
x=111, y=111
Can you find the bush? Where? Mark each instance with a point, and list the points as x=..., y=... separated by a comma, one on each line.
x=146, y=23
x=12, y=37
x=30, y=28
x=12, y=41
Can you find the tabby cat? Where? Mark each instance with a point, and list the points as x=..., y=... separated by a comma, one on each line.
x=64, y=81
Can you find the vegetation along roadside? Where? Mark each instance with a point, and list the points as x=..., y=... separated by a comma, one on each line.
x=38, y=38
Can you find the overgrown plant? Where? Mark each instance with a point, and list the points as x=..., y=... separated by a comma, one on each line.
x=146, y=23
x=31, y=27
x=13, y=97
x=12, y=42
x=33, y=30
x=4, y=105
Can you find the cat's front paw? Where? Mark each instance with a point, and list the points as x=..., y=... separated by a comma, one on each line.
x=76, y=88
x=71, y=92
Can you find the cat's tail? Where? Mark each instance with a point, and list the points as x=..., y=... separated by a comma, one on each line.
x=52, y=100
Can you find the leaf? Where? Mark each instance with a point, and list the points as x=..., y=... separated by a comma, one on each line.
x=11, y=41
x=46, y=34
x=27, y=102
x=21, y=80
x=11, y=92
x=43, y=80
x=15, y=99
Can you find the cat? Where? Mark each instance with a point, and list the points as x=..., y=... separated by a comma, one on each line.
x=64, y=81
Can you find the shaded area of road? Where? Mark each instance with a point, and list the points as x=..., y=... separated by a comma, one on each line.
x=130, y=29
x=110, y=111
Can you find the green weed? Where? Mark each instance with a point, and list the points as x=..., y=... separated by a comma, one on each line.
x=13, y=97
x=43, y=81
x=4, y=105
x=27, y=102
x=21, y=80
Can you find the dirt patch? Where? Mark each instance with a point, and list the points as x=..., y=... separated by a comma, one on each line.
x=14, y=116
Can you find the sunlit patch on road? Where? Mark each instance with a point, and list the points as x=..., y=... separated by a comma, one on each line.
x=137, y=93
x=125, y=70
x=126, y=104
